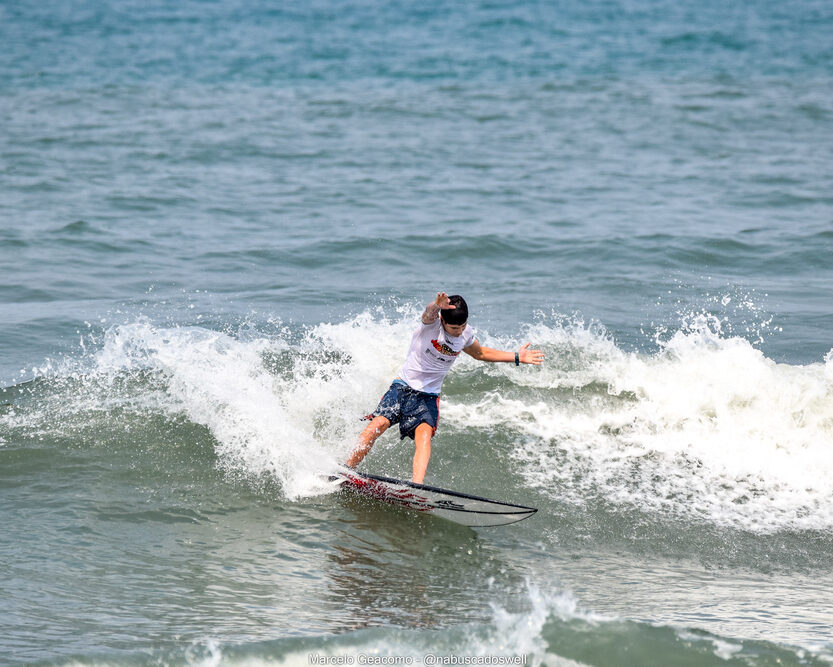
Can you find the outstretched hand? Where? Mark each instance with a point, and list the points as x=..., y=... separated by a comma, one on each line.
x=527, y=356
x=432, y=310
x=442, y=301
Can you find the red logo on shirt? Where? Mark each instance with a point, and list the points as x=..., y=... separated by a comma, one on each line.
x=443, y=348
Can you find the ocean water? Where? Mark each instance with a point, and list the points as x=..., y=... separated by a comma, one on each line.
x=219, y=223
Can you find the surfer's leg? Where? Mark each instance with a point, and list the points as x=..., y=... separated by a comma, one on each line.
x=373, y=430
x=422, y=440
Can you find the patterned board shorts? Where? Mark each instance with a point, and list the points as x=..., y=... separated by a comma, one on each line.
x=409, y=408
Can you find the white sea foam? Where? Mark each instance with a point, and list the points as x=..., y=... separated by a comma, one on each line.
x=223, y=384
x=290, y=419
x=707, y=427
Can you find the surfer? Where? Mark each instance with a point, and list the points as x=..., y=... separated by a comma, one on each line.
x=413, y=399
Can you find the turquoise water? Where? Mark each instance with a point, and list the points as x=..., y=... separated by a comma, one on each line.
x=219, y=223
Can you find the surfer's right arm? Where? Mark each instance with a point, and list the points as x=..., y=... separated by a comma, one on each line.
x=432, y=310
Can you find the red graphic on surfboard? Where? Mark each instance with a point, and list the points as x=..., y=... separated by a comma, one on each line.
x=382, y=491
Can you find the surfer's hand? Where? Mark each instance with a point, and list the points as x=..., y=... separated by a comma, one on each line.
x=527, y=356
x=443, y=302
x=433, y=309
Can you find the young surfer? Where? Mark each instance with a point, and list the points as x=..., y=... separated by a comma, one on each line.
x=413, y=398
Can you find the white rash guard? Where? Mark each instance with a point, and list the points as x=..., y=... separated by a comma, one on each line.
x=431, y=354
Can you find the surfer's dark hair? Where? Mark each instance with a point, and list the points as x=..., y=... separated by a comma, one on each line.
x=457, y=315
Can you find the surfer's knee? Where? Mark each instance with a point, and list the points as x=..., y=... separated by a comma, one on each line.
x=379, y=424
x=374, y=429
x=423, y=434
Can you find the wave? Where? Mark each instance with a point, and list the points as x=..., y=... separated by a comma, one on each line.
x=551, y=630
x=706, y=428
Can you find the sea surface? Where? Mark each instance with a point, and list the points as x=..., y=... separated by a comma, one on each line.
x=219, y=224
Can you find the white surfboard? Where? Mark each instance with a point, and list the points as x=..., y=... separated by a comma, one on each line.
x=457, y=507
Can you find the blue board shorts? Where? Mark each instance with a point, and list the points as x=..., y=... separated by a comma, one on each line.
x=409, y=408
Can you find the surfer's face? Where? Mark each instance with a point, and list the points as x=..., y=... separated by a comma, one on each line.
x=454, y=329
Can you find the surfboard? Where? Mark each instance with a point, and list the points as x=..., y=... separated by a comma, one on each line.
x=460, y=508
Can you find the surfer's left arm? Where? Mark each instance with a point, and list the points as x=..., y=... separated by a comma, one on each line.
x=522, y=356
